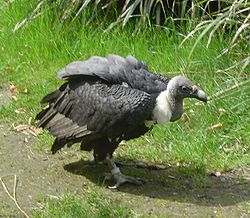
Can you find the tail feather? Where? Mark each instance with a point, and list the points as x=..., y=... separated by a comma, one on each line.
x=50, y=98
x=53, y=96
x=47, y=114
x=57, y=145
x=45, y=117
x=42, y=113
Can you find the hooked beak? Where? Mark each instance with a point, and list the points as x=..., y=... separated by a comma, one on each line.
x=199, y=94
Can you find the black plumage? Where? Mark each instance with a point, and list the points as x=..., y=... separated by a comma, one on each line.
x=104, y=101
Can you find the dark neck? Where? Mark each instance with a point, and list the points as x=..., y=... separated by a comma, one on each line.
x=176, y=108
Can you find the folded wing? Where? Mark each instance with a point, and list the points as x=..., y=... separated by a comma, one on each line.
x=77, y=111
x=115, y=69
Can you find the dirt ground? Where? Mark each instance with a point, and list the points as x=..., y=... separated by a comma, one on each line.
x=166, y=193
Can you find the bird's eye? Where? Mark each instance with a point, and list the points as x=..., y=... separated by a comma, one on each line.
x=184, y=89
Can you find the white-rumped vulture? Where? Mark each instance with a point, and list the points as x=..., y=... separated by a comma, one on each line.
x=109, y=99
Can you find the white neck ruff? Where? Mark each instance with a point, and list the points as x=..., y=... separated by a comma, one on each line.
x=162, y=112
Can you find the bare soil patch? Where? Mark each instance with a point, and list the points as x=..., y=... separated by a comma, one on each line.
x=5, y=96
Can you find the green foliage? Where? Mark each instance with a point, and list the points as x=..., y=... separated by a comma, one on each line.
x=142, y=12
x=234, y=19
x=205, y=18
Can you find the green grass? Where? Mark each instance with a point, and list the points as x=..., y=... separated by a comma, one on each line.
x=92, y=204
x=31, y=57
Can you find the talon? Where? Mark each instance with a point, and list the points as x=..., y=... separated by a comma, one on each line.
x=113, y=187
x=120, y=178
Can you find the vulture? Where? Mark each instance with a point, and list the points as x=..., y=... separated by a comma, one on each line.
x=106, y=100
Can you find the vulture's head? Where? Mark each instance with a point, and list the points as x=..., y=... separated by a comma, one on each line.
x=181, y=87
x=169, y=104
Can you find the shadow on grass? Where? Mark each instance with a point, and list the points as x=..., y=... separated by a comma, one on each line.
x=173, y=183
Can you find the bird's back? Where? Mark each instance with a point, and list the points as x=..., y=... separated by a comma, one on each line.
x=115, y=69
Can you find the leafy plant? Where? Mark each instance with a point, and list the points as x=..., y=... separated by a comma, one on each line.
x=141, y=12
x=233, y=20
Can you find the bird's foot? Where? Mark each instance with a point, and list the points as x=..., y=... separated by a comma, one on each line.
x=120, y=179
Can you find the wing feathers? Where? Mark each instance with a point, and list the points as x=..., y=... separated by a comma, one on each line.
x=54, y=118
x=51, y=97
x=64, y=128
x=115, y=69
x=45, y=117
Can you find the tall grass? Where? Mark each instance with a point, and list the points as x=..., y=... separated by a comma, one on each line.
x=144, y=12
x=234, y=20
x=204, y=18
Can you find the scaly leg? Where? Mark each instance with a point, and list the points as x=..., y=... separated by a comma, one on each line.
x=119, y=177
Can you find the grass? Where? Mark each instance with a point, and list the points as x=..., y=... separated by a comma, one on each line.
x=31, y=57
x=93, y=204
